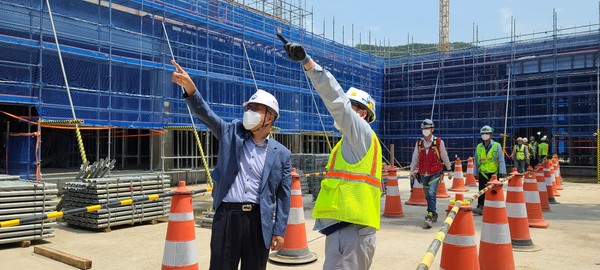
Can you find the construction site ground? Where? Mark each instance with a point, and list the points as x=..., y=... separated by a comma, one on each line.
x=571, y=242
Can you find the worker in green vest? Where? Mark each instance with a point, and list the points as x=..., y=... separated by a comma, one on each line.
x=533, y=146
x=347, y=209
x=543, y=149
x=519, y=155
x=489, y=161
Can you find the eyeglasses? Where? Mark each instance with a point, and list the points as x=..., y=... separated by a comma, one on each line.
x=253, y=107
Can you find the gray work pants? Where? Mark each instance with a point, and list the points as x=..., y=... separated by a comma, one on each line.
x=351, y=247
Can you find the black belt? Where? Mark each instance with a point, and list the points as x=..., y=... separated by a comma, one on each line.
x=245, y=207
x=333, y=228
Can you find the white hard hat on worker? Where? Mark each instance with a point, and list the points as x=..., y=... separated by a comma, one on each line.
x=363, y=102
x=261, y=107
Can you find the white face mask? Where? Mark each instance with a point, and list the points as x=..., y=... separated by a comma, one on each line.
x=485, y=137
x=251, y=119
x=426, y=132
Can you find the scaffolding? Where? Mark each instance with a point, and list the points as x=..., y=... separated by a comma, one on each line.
x=117, y=63
x=553, y=85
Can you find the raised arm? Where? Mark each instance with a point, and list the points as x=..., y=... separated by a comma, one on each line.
x=197, y=104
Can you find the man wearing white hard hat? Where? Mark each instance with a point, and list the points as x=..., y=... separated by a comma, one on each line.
x=519, y=155
x=543, y=149
x=348, y=206
x=251, y=192
x=489, y=160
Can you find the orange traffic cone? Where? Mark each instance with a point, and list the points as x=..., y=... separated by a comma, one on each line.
x=548, y=175
x=393, y=203
x=458, y=181
x=417, y=196
x=553, y=175
x=541, y=182
x=532, y=201
x=558, y=177
x=470, y=177
x=459, y=251
x=517, y=215
x=495, y=248
x=441, y=189
x=295, y=248
x=180, y=244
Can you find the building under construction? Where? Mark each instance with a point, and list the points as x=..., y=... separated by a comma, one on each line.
x=116, y=58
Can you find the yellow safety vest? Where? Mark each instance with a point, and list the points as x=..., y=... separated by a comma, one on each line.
x=352, y=192
x=520, y=152
x=488, y=162
x=543, y=149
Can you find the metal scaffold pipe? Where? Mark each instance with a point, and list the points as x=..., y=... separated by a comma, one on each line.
x=64, y=73
x=311, y=90
x=93, y=208
x=196, y=136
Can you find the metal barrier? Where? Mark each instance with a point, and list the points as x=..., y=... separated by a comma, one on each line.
x=92, y=208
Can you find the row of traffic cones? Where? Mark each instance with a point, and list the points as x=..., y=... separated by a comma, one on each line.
x=505, y=227
x=505, y=224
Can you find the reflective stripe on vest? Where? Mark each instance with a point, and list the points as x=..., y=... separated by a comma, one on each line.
x=488, y=162
x=352, y=192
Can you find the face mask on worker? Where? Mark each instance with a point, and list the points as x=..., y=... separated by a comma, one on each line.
x=485, y=137
x=251, y=119
x=426, y=132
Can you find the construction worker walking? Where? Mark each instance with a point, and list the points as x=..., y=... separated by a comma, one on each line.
x=429, y=154
x=519, y=155
x=543, y=149
x=489, y=161
x=347, y=209
x=527, y=152
x=533, y=146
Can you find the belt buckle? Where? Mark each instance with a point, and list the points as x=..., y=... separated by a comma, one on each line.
x=247, y=207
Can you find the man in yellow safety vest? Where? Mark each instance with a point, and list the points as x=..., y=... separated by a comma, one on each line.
x=519, y=154
x=489, y=161
x=348, y=206
x=543, y=149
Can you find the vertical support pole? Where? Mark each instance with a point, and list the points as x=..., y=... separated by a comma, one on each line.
x=392, y=155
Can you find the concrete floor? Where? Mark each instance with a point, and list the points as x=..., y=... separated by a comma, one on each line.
x=571, y=242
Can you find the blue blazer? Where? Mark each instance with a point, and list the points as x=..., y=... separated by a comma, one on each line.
x=276, y=180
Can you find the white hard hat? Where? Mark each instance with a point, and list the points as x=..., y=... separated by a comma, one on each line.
x=544, y=138
x=264, y=98
x=486, y=129
x=427, y=123
x=524, y=140
x=365, y=100
x=519, y=139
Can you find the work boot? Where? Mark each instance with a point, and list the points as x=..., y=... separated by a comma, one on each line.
x=435, y=217
x=429, y=220
x=478, y=210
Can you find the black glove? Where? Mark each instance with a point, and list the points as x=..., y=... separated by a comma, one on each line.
x=296, y=52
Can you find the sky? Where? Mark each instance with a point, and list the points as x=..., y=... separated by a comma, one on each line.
x=394, y=20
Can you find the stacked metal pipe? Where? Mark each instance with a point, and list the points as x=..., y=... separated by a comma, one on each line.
x=20, y=199
x=103, y=190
